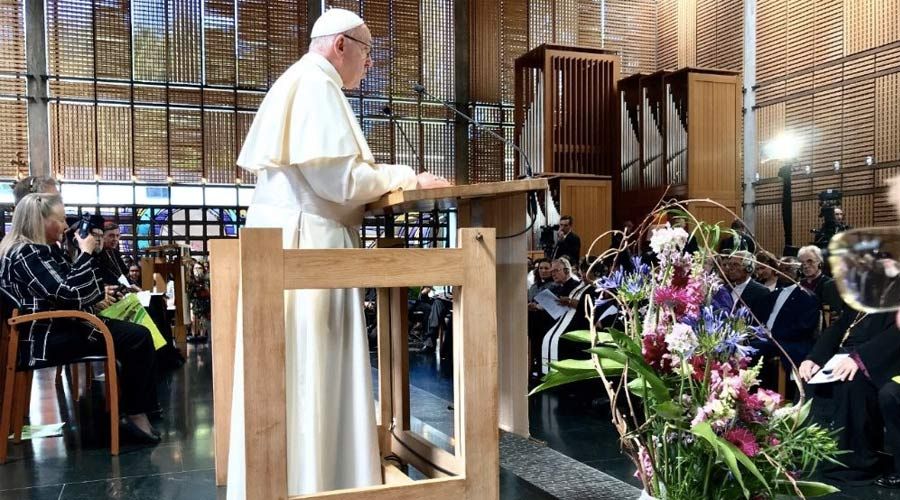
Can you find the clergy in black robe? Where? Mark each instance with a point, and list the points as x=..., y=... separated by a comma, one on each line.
x=873, y=342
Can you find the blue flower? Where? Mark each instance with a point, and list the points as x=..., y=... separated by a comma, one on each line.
x=722, y=300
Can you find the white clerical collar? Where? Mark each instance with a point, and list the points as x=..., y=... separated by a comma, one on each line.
x=326, y=66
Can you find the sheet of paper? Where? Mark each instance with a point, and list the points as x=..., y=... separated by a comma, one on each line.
x=548, y=301
x=826, y=374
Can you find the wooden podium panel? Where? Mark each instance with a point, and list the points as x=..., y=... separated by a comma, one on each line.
x=256, y=271
x=501, y=205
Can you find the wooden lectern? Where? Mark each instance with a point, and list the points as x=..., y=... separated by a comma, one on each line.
x=259, y=267
x=501, y=205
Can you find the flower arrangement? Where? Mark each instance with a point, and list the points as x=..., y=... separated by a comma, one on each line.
x=684, y=395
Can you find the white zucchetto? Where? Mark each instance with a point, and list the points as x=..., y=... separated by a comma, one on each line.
x=335, y=21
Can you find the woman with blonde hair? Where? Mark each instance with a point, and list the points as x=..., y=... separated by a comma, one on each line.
x=39, y=275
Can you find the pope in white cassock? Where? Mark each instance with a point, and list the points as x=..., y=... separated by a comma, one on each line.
x=315, y=173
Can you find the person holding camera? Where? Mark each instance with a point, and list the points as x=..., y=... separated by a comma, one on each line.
x=36, y=272
x=568, y=244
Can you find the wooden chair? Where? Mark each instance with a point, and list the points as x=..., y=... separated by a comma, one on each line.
x=16, y=377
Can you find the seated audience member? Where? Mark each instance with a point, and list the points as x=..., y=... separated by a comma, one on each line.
x=542, y=279
x=793, y=320
x=110, y=258
x=34, y=270
x=738, y=268
x=134, y=275
x=766, y=270
x=578, y=302
x=539, y=321
x=814, y=280
x=34, y=184
x=866, y=399
x=789, y=268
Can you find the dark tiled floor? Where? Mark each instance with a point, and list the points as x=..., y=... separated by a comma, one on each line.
x=78, y=465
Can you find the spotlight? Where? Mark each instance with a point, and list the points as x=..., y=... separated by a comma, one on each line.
x=784, y=147
x=870, y=161
x=807, y=169
x=837, y=166
x=756, y=177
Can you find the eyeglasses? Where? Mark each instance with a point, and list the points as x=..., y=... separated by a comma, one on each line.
x=866, y=268
x=368, y=46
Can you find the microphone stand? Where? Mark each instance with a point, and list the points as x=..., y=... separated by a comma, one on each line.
x=420, y=89
x=387, y=111
x=532, y=196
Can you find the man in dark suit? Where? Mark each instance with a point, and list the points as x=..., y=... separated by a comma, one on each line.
x=568, y=244
x=793, y=320
x=739, y=268
x=110, y=258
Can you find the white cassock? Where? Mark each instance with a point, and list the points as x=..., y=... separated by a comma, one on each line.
x=315, y=174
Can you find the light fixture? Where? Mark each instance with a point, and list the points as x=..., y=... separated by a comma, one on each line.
x=807, y=169
x=870, y=161
x=169, y=179
x=837, y=166
x=784, y=147
x=203, y=180
x=133, y=178
x=97, y=177
x=237, y=181
x=756, y=177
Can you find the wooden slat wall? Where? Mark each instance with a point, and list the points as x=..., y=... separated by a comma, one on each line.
x=829, y=71
x=153, y=90
x=14, y=140
x=704, y=33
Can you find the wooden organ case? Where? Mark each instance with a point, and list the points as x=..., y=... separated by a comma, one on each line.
x=566, y=122
x=681, y=138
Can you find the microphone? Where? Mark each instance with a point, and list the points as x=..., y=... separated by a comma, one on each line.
x=387, y=111
x=420, y=89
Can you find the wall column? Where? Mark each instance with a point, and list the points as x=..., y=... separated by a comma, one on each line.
x=36, y=71
x=750, y=151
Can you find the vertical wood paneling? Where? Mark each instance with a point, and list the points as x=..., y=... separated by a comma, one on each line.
x=887, y=118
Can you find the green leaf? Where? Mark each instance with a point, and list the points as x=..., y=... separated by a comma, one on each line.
x=807, y=488
x=556, y=379
x=624, y=341
x=803, y=413
x=637, y=387
x=637, y=364
x=610, y=367
x=669, y=410
x=585, y=337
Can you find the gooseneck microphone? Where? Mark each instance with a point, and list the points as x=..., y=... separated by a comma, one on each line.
x=387, y=111
x=420, y=89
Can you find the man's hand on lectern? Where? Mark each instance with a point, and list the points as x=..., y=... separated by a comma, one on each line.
x=427, y=180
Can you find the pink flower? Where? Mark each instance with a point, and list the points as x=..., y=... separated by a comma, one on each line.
x=770, y=399
x=645, y=463
x=744, y=440
x=675, y=299
x=773, y=441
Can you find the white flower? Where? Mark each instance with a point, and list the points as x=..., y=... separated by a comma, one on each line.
x=668, y=239
x=682, y=340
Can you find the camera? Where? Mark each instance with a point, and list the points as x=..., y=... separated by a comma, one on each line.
x=84, y=225
x=547, y=239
